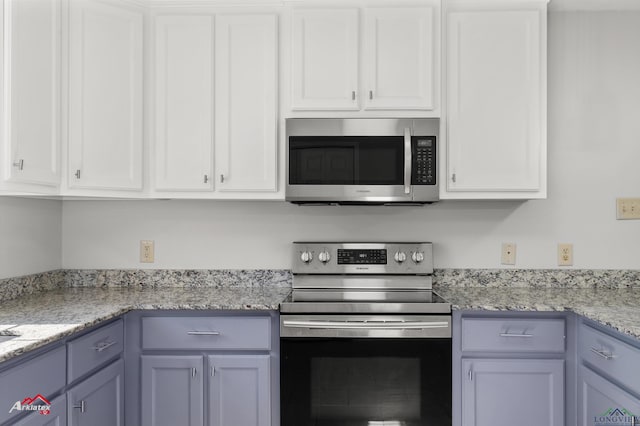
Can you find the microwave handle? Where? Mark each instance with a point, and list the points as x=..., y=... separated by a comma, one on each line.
x=407, y=160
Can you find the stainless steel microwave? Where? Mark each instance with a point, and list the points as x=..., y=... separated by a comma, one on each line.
x=362, y=169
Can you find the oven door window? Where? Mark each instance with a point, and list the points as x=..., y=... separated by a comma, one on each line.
x=366, y=382
x=346, y=160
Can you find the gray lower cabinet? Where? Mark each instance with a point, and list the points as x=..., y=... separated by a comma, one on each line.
x=57, y=416
x=602, y=402
x=511, y=368
x=504, y=392
x=173, y=390
x=98, y=400
x=239, y=389
x=196, y=368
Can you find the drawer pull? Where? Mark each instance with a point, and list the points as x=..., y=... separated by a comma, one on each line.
x=603, y=354
x=203, y=333
x=515, y=335
x=81, y=405
x=103, y=346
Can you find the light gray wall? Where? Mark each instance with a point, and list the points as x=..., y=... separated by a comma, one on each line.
x=30, y=236
x=594, y=151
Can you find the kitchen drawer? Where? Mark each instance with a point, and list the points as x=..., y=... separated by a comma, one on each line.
x=94, y=349
x=611, y=356
x=42, y=375
x=208, y=333
x=513, y=335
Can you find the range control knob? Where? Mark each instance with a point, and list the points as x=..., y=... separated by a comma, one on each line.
x=417, y=256
x=306, y=256
x=324, y=256
x=400, y=256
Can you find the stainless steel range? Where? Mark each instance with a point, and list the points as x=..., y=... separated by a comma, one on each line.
x=364, y=339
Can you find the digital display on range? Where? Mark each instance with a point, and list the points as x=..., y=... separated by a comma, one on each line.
x=362, y=257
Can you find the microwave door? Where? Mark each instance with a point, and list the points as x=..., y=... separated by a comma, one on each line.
x=347, y=168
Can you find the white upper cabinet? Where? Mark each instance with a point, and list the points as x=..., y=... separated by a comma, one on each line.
x=325, y=59
x=400, y=49
x=183, y=144
x=396, y=44
x=105, y=96
x=32, y=91
x=496, y=100
x=246, y=115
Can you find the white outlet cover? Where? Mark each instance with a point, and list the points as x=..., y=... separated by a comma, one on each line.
x=147, y=251
x=565, y=254
x=508, y=253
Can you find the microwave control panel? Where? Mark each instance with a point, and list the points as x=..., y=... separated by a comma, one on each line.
x=424, y=160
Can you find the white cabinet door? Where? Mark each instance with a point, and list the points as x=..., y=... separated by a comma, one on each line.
x=246, y=102
x=32, y=101
x=183, y=140
x=400, y=58
x=105, y=96
x=325, y=59
x=496, y=90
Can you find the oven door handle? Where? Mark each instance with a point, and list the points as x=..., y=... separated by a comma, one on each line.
x=407, y=160
x=369, y=325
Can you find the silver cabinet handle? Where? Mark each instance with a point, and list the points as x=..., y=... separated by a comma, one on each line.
x=515, y=335
x=603, y=354
x=193, y=371
x=370, y=94
x=19, y=164
x=203, y=333
x=103, y=346
x=81, y=405
x=221, y=178
x=407, y=160
x=353, y=95
x=369, y=325
x=77, y=174
x=453, y=178
x=206, y=179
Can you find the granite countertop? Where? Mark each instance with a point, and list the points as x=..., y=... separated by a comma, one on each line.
x=44, y=317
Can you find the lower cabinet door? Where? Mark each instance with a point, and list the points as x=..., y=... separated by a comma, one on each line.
x=56, y=417
x=239, y=390
x=172, y=390
x=603, y=403
x=506, y=392
x=99, y=400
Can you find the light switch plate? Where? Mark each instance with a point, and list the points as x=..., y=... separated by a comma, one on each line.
x=508, y=253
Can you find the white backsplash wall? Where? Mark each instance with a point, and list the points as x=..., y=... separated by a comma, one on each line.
x=594, y=151
x=30, y=236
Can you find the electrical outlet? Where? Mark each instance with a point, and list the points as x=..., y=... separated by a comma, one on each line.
x=508, y=253
x=627, y=208
x=147, y=251
x=565, y=254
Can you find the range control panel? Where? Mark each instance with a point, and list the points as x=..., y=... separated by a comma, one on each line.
x=362, y=258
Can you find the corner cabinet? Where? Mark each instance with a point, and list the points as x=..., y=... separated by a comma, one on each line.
x=216, y=117
x=495, y=123
x=105, y=137
x=509, y=369
x=608, y=380
x=31, y=101
x=194, y=369
x=365, y=59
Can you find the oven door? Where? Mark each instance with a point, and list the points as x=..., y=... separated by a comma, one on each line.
x=373, y=169
x=397, y=372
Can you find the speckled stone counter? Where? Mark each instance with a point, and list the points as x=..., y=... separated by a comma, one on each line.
x=618, y=308
x=41, y=318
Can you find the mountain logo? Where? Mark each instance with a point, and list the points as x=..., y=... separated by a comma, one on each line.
x=615, y=416
x=38, y=403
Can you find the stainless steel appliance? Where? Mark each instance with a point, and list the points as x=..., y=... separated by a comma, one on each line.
x=364, y=339
x=362, y=169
